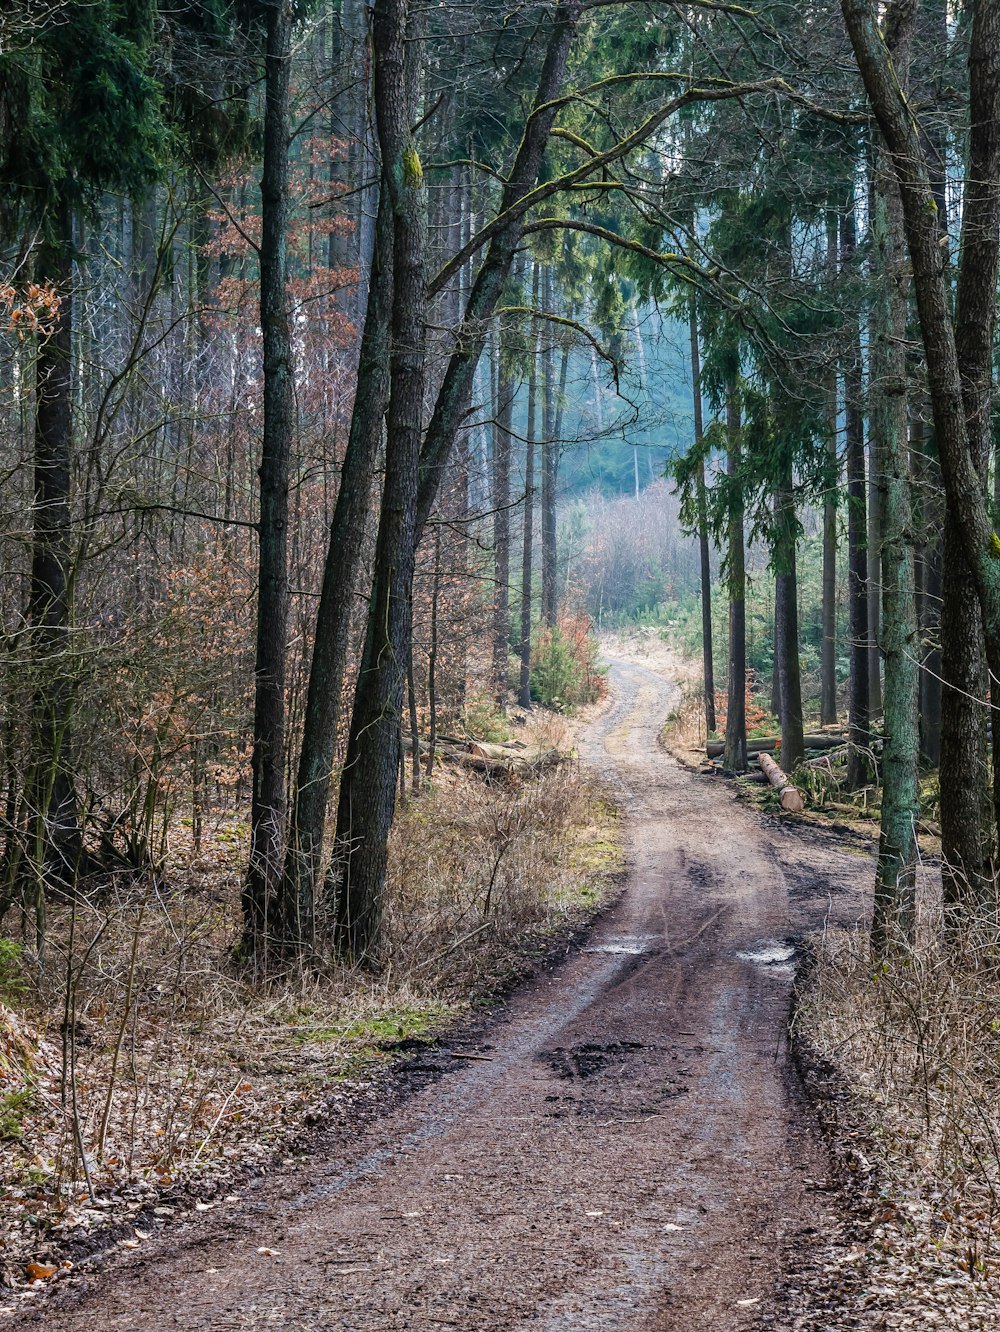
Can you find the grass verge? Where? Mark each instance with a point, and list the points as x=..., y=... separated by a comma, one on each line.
x=903, y=1056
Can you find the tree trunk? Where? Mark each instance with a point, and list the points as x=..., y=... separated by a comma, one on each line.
x=57, y=852
x=965, y=807
x=341, y=573
x=735, y=755
x=367, y=792
x=786, y=621
x=858, y=715
x=873, y=546
x=432, y=656
x=929, y=580
x=528, y=529
x=550, y=462
x=368, y=783
x=895, y=903
x=708, y=665
x=501, y=528
x=265, y=922
x=411, y=696
x=828, y=648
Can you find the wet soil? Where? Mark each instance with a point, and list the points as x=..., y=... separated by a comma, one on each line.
x=630, y=1150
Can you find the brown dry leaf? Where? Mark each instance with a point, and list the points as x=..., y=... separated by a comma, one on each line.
x=40, y=1271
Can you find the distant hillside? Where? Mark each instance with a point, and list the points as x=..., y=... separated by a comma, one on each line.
x=646, y=425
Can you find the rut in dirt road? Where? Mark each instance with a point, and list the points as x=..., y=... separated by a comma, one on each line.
x=633, y=1155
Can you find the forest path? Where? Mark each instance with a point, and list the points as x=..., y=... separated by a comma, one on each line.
x=634, y=1154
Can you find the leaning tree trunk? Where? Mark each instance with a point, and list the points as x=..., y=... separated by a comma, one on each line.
x=368, y=783
x=265, y=919
x=505, y=236
x=735, y=753
x=57, y=853
x=708, y=665
x=340, y=582
x=895, y=905
x=858, y=715
x=367, y=792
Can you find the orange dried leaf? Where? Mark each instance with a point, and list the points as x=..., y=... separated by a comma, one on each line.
x=40, y=1271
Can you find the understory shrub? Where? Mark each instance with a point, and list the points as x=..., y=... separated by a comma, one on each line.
x=564, y=669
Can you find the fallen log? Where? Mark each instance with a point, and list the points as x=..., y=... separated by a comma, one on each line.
x=493, y=760
x=767, y=744
x=790, y=797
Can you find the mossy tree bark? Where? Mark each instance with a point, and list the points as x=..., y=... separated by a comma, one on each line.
x=895, y=909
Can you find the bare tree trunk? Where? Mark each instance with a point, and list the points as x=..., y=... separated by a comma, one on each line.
x=432, y=655
x=550, y=460
x=57, y=852
x=411, y=694
x=707, y=659
x=929, y=571
x=264, y=919
x=873, y=546
x=828, y=650
x=858, y=715
x=735, y=754
x=895, y=902
x=786, y=622
x=368, y=783
x=341, y=571
x=501, y=527
x=528, y=530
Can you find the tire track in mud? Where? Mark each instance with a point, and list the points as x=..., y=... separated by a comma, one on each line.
x=633, y=1155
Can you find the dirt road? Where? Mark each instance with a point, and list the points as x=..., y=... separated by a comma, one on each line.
x=632, y=1155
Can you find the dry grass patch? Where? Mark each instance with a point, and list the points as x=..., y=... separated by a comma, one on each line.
x=916, y=1040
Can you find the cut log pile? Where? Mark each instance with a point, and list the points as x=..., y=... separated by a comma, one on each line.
x=768, y=744
x=513, y=757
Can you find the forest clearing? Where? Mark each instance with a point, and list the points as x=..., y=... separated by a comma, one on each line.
x=499, y=622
